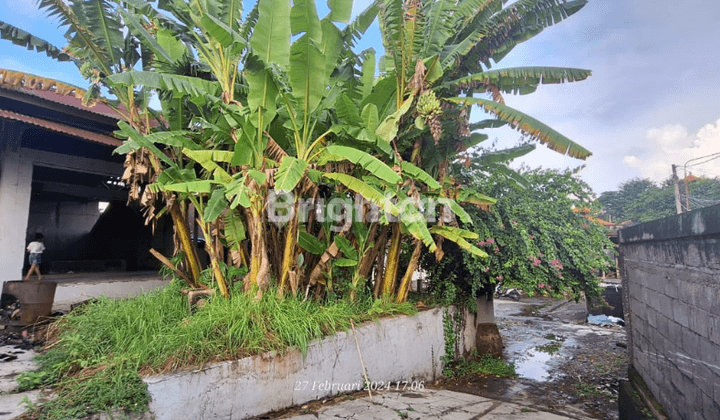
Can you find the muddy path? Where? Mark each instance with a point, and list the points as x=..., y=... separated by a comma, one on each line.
x=564, y=364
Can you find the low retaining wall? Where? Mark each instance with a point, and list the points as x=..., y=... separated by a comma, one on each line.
x=671, y=283
x=405, y=348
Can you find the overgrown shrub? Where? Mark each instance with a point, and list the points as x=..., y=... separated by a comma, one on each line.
x=542, y=238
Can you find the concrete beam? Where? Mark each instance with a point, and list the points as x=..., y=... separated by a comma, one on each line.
x=102, y=194
x=73, y=163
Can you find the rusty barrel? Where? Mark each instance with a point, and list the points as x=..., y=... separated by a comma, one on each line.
x=35, y=299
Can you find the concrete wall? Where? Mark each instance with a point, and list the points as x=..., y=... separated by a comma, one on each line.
x=396, y=349
x=671, y=291
x=15, y=189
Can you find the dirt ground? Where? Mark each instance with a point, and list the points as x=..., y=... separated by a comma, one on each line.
x=581, y=375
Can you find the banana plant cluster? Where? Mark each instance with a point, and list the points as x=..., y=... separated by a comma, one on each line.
x=275, y=101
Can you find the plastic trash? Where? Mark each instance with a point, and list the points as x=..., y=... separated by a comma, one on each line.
x=604, y=319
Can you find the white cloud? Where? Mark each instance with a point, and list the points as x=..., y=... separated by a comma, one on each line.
x=672, y=144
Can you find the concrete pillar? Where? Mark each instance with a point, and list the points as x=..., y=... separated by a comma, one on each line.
x=15, y=188
x=485, y=309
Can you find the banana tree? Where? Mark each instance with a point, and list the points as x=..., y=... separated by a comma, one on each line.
x=438, y=51
x=279, y=99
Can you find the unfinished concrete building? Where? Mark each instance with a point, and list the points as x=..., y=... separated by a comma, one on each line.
x=59, y=177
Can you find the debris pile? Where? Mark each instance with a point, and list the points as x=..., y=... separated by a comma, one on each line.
x=10, y=309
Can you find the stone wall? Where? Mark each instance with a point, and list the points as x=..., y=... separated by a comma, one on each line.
x=671, y=291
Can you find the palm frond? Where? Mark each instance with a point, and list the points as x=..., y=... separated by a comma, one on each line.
x=27, y=40
x=519, y=22
x=505, y=155
x=230, y=12
x=247, y=27
x=518, y=80
x=104, y=23
x=439, y=26
x=360, y=24
x=390, y=16
x=79, y=37
x=177, y=85
x=530, y=126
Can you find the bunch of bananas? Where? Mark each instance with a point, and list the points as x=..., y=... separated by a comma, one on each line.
x=428, y=107
x=428, y=104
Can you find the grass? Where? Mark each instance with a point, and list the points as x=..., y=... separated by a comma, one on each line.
x=550, y=348
x=101, y=349
x=586, y=390
x=485, y=365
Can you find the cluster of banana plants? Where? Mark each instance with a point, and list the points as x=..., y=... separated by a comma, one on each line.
x=269, y=113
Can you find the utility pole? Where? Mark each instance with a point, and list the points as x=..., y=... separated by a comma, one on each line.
x=676, y=185
x=687, y=194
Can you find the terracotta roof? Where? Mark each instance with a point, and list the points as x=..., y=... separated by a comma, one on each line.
x=62, y=128
x=98, y=108
x=53, y=91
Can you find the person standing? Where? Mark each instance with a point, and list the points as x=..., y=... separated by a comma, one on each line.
x=35, y=248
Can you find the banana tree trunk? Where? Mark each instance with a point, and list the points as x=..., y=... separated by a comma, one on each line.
x=366, y=264
x=380, y=265
x=186, y=244
x=404, y=287
x=259, y=266
x=393, y=260
x=289, y=252
x=210, y=245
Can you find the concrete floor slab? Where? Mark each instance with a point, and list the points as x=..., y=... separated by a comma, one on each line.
x=11, y=405
x=11, y=368
x=431, y=404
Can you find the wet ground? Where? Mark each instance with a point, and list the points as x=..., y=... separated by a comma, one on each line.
x=564, y=365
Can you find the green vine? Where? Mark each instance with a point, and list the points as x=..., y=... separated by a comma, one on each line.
x=452, y=326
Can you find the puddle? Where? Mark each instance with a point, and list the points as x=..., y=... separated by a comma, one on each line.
x=537, y=351
x=534, y=366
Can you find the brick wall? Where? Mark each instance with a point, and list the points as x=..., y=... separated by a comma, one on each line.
x=671, y=291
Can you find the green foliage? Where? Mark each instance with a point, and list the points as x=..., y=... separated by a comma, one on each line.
x=586, y=390
x=485, y=365
x=107, y=389
x=450, y=333
x=550, y=348
x=535, y=238
x=615, y=203
x=640, y=200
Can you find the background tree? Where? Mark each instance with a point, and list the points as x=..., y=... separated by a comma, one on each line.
x=640, y=200
x=615, y=203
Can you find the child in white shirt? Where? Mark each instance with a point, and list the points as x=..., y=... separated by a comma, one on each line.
x=35, y=248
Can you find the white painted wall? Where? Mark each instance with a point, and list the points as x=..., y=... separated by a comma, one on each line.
x=395, y=349
x=15, y=188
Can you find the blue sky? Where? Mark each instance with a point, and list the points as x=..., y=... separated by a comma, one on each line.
x=652, y=100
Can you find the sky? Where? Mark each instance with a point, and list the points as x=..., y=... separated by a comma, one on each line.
x=651, y=102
